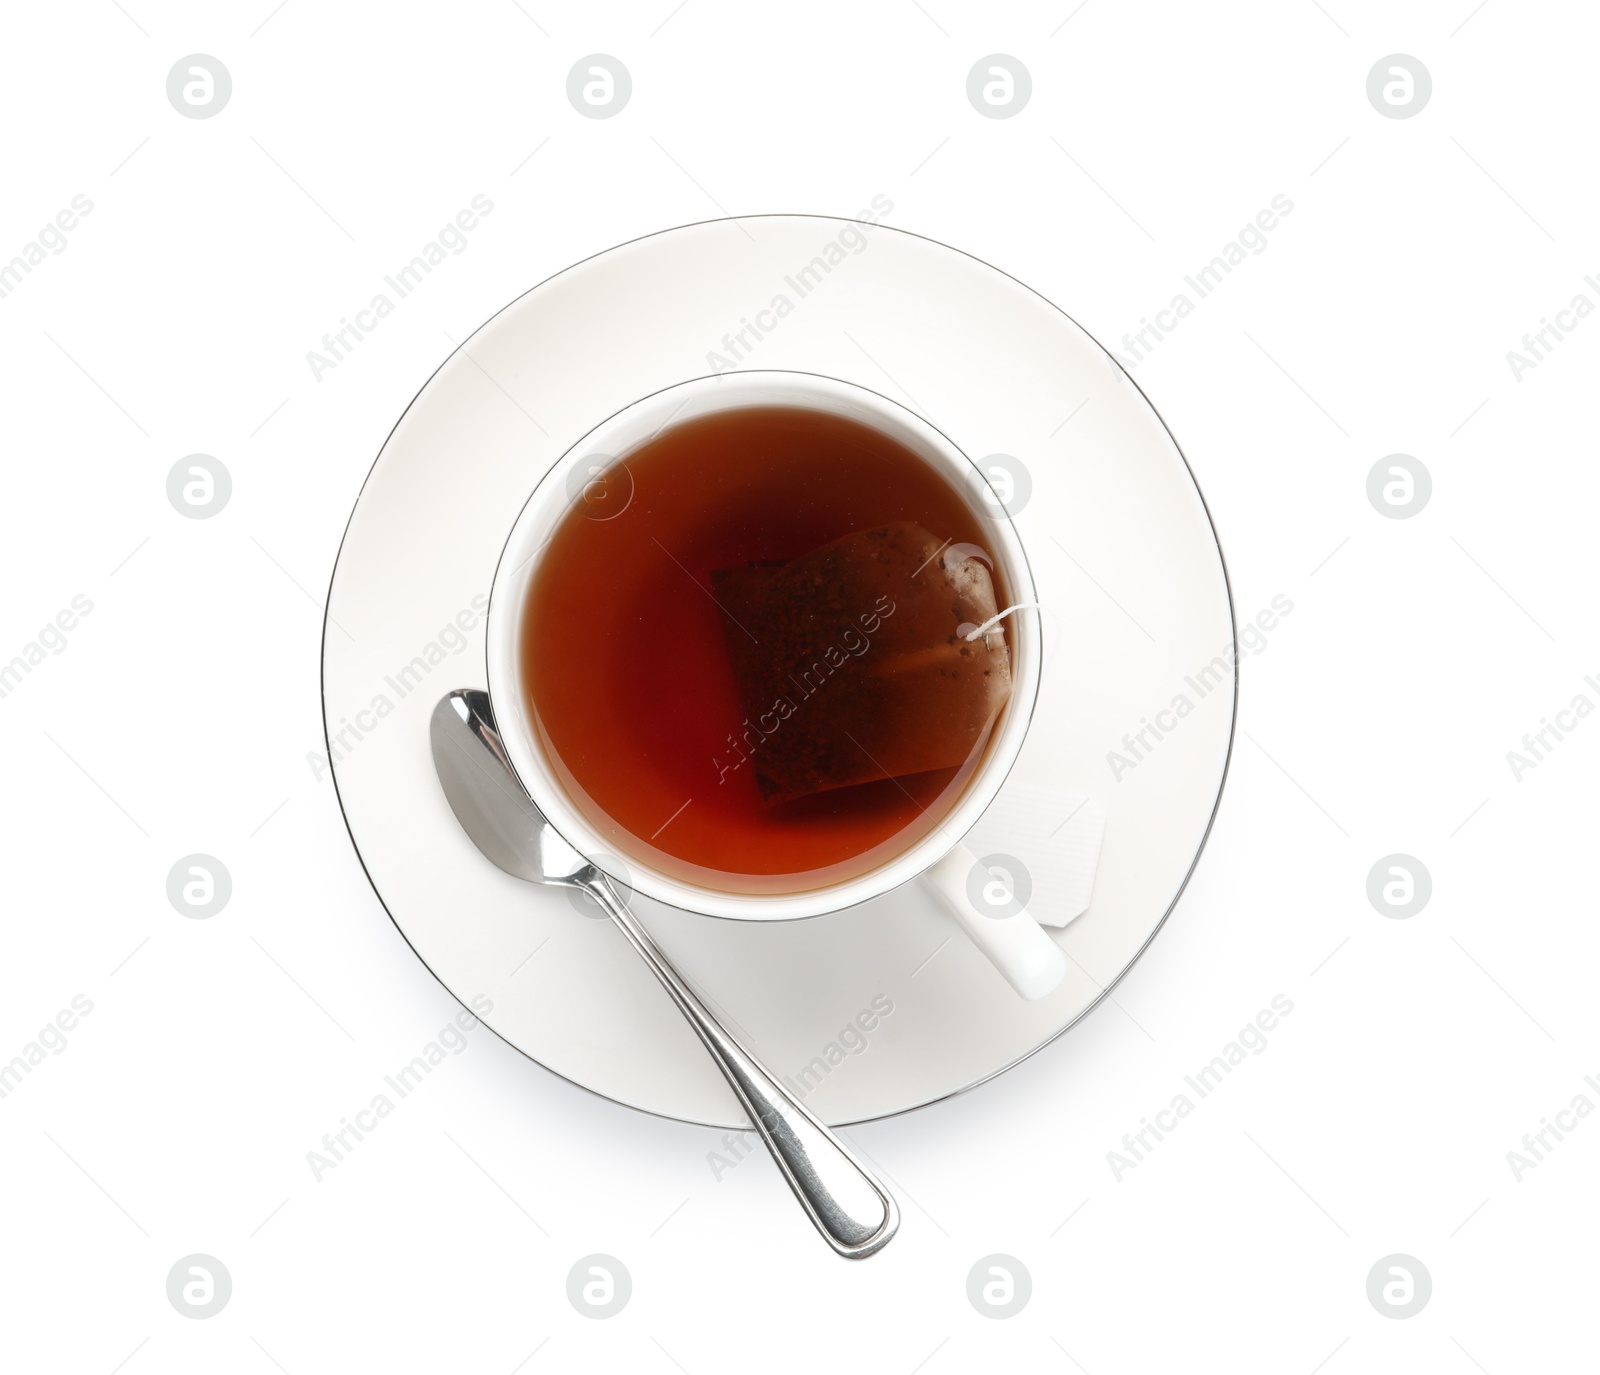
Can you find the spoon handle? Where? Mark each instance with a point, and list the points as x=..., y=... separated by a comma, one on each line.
x=854, y=1213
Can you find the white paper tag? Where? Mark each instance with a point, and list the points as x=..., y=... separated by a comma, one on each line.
x=1056, y=835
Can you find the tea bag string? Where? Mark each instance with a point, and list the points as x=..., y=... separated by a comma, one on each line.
x=995, y=620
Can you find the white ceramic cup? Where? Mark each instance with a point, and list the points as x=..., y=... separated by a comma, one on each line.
x=1016, y=944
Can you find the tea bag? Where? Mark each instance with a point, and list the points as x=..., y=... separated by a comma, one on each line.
x=852, y=661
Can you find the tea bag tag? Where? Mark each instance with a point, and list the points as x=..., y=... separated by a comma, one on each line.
x=1057, y=835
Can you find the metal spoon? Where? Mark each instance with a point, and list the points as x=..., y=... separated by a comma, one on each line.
x=854, y=1213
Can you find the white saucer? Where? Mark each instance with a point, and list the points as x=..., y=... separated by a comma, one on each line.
x=1140, y=607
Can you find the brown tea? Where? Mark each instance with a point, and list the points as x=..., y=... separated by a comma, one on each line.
x=748, y=649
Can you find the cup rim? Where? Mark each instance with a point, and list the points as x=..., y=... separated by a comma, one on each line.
x=513, y=575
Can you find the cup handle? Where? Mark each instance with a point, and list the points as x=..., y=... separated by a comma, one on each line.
x=1015, y=943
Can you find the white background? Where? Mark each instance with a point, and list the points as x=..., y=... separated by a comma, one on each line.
x=179, y=716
